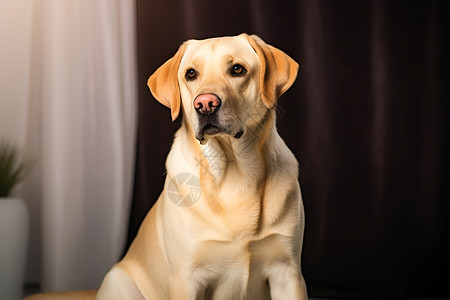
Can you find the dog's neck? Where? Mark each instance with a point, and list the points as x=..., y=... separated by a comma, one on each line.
x=233, y=172
x=231, y=168
x=223, y=154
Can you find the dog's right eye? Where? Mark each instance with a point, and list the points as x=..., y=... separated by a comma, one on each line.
x=191, y=74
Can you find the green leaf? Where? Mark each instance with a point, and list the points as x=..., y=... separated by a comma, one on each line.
x=12, y=168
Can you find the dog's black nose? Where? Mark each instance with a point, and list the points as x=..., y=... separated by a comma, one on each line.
x=206, y=104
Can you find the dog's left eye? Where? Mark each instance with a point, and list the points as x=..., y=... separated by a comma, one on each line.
x=238, y=70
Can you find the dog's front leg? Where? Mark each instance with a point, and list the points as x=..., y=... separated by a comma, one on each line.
x=286, y=282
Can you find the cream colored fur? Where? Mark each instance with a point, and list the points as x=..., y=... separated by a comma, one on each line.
x=241, y=235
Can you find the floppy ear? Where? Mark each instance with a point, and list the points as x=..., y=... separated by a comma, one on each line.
x=164, y=83
x=278, y=70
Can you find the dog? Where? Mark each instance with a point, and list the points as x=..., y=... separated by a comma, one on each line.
x=229, y=223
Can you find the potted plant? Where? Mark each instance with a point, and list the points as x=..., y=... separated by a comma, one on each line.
x=13, y=223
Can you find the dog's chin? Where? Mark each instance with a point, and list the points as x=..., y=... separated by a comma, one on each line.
x=209, y=130
x=212, y=130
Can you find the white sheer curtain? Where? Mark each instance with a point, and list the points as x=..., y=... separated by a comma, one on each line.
x=81, y=136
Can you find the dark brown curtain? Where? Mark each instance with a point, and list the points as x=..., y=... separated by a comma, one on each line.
x=367, y=120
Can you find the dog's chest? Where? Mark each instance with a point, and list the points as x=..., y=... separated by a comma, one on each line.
x=238, y=269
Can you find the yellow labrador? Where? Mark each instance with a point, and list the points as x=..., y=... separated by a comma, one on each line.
x=229, y=222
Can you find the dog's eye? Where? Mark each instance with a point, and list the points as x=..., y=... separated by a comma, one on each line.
x=238, y=70
x=191, y=74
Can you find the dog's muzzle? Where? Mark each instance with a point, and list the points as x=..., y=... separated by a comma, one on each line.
x=208, y=107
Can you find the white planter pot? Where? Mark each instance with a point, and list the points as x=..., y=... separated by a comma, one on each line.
x=13, y=247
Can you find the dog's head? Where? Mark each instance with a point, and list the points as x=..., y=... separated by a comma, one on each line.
x=224, y=85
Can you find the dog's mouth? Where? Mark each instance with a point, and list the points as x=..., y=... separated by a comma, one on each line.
x=209, y=129
x=212, y=127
